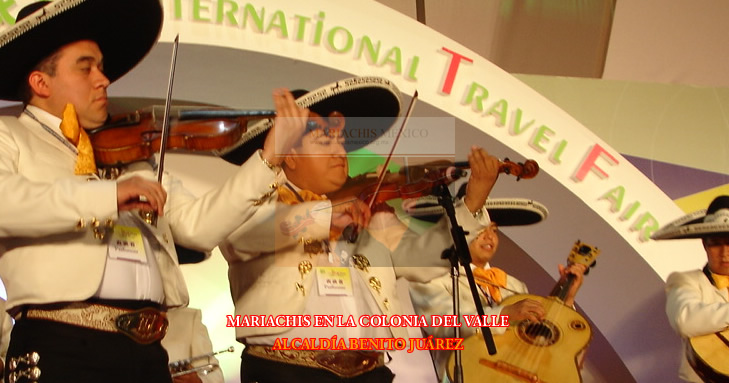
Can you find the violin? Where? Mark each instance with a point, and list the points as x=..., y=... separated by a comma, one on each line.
x=413, y=182
x=137, y=136
x=420, y=180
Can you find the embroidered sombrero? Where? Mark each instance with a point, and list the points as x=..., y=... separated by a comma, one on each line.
x=124, y=30
x=370, y=105
x=503, y=211
x=700, y=224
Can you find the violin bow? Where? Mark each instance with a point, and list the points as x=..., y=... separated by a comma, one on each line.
x=166, y=117
x=381, y=176
x=151, y=216
x=351, y=232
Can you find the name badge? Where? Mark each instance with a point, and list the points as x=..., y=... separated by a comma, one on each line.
x=334, y=281
x=127, y=244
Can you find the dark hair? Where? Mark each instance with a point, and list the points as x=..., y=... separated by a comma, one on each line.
x=48, y=66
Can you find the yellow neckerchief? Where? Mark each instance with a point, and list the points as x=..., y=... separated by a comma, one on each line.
x=721, y=281
x=492, y=278
x=289, y=196
x=74, y=133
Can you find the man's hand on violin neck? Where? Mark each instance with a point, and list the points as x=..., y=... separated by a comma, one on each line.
x=484, y=172
x=288, y=127
x=139, y=193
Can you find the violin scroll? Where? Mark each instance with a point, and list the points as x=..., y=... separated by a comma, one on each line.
x=526, y=170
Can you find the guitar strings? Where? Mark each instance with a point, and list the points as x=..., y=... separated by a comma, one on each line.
x=526, y=354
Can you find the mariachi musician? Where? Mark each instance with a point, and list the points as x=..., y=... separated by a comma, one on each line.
x=494, y=285
x=697, y=301
x=294, y=260
x=87, y=279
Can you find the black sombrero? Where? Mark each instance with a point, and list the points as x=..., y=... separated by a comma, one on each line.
x=124, y=30
x=503, y=211
x=370, y=106
x=700, y=224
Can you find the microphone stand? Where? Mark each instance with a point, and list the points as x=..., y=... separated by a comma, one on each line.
x=450, y=254
x=458, y=253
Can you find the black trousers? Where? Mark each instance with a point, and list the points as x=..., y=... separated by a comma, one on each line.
x=75, y=354
x=258, y=370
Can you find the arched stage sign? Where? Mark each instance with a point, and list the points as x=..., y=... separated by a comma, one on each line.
x=365, y=38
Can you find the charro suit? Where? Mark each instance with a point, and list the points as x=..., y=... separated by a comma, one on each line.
x=435, y=298
x=264, y=262
x=48, y=248
x=695, y=307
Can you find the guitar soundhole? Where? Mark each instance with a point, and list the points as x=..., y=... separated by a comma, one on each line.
x=542, y=334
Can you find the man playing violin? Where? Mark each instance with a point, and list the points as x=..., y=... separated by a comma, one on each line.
x=88, y=280
x=294, y=261
x=697, y=301
x=435, y=297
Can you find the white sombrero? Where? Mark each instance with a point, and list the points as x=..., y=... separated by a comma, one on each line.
x=370, y=105
x=503, y=211
x=700, y=224
x=124, y=30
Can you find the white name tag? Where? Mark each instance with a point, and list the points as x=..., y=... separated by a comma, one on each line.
x=127, y=244
x=334, y=281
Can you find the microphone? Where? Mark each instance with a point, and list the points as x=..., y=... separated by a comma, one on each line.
x=447, y=176
x=453, y=173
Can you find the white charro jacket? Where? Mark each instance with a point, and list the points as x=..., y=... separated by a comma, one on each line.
x=695, y=307
x=48, y=250
x=264, y=260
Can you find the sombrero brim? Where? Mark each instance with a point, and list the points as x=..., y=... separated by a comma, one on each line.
x=503, y=211
x=124, y=30
x=370, y=106
x=691, y=226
